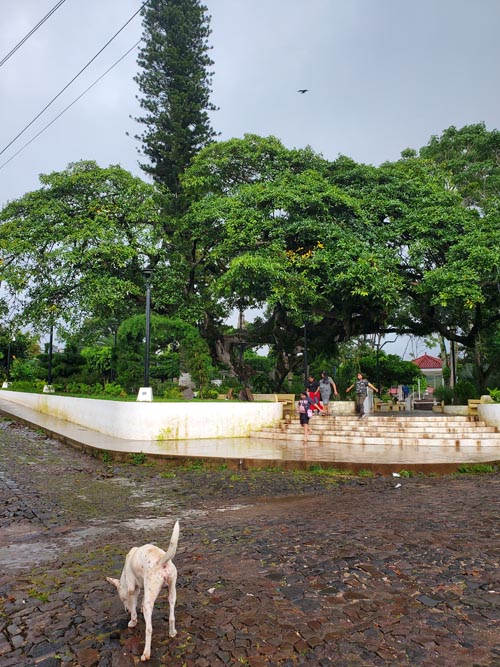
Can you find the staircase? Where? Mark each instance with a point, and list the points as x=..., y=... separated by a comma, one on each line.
x=400, y=429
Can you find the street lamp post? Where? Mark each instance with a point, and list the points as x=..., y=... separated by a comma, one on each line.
x=8, y=362
x=145, y=393
x=148, y=273
x=306, y=369
x=51, y=343
x=6, y=384
x=48, y=388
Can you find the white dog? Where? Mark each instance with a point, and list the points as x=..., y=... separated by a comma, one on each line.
x=148, y=567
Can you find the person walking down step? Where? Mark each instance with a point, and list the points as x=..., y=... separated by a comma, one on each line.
x=305, y=412
x=314, y=394
x=361, y=385
x=326, y=387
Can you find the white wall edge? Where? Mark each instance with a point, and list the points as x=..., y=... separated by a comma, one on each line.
x=155, y=421
x=489, y=413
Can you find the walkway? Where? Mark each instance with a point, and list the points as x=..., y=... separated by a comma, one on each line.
x=275, y=569
x=245, y=453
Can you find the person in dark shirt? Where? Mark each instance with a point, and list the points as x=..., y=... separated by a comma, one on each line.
x=314, y=394
x=361, y=385
x=304, y=409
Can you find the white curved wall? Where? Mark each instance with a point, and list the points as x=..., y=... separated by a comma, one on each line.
x=155, y=421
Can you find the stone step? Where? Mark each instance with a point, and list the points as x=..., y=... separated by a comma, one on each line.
x=400, y=417
x=332, y=438
x=398, y=430
x=365, y=425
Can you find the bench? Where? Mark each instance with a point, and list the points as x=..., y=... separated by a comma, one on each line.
x=380, y=406
x=287, y=400
x=472, y=405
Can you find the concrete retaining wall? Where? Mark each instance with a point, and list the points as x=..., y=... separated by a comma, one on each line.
x=489, y=413
x=461, y=410
x=155, y=421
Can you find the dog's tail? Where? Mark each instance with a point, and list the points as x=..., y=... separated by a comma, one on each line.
x=172, y=547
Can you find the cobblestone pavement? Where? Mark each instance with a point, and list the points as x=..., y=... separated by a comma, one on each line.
x=274, y=568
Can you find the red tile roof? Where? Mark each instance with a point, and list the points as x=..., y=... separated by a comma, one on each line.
x=428, y=362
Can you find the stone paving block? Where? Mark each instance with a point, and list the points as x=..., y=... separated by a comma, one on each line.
x=288, y=592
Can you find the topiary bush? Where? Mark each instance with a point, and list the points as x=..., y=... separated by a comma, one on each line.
x=463, y=390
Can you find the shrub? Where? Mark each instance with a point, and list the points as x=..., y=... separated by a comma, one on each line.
x=113, y=389
x=463, y=390
x=33, y=386
x=24, y=369
x=444, y=394
x=173, y=392
x=210, y=393
x=495, y=394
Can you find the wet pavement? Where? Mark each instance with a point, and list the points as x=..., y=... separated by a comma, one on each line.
x=433, y=451
x=275, y=568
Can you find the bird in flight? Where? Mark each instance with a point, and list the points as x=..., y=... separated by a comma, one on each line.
x=303, y=90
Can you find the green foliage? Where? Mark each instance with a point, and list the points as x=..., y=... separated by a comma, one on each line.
x=29, y=386
x=211, y=393
x=81, y=235
x=83, y=389
x=347, y=249
x=175, y=86
x=172, y=392
x=196, y=465
x=495, y=394
x=463, y=390
x=444, y=393
x=24, y=370
x=98, y=358
x=114, y=389
x=165, y=333
x=138, y=459
x=457, y=395
x=477, y=468
x=330, y=472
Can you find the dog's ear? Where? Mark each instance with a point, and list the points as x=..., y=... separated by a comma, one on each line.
x=115, y=582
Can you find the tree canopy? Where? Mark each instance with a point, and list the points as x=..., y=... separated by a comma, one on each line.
x=342, y=248
x=174, y=81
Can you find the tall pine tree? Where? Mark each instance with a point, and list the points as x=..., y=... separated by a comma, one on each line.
x=175, y=84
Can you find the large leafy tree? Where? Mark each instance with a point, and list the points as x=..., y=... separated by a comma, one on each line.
x=468, y=287
x=75, y=247
x=175, y=84
x=277, y=234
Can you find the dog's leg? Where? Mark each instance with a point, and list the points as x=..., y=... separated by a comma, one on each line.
x=133, y=596
x=151, y=589
x=172, y=596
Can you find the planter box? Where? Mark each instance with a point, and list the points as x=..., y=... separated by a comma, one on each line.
x=489, y=413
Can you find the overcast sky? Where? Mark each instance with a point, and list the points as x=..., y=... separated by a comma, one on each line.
x=383, y=75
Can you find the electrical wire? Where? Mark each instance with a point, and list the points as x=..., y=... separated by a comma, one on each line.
x=31, y=32
x=73, y=79
x=69, y=105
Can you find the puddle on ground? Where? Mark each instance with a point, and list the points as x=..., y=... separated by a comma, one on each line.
x=232, y=508
x=27, y=548
x=21, y=554
x=123, y=481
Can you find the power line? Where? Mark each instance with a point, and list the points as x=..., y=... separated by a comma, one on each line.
x=69, y=105
x=31, y=32
x=73, y=79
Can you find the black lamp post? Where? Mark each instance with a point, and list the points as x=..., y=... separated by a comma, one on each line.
x=8, y=362
x=51, y=341
x=306, y=369
x=148, y=272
